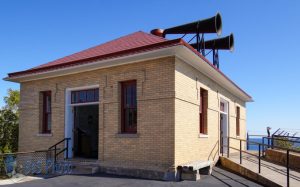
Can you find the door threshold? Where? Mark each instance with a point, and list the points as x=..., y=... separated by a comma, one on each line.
x=82, y=159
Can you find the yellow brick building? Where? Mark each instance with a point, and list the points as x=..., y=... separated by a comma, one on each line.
x=134, y=102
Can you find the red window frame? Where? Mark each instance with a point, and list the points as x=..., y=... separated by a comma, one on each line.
x=129, y=121
x=46, y=127
x=238, y=121
x=203, y=111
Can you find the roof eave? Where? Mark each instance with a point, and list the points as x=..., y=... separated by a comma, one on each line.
x=184, y=51
x=93, y=65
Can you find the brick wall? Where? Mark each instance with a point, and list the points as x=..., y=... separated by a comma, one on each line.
x=154, y=144
x=189, y=145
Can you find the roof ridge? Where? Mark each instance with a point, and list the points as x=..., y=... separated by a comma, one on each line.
x=153, y=35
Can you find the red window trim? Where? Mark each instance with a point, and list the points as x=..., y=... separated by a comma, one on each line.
x=238, y=128
x=203, y=111
x=123, y=108
x=46, y=114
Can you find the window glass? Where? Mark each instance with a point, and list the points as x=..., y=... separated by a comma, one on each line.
x=84, y=96
x=46, y=112
x=203, y=111
x=96, y=95
x=222, y=107
x=49, y=122
x=129, y=107
x=90, y=95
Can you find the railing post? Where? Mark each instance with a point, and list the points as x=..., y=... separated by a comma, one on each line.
x=222, y=146
x=288, y=167
x=55, y=154
x=67, y=156
x=259, y=158
x=247, y=141
x=272, y=142
x=228, y=147
x=240, y=151
x=263, y=146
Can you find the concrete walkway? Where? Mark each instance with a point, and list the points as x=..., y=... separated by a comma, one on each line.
x=219, y=178
x=273, y=172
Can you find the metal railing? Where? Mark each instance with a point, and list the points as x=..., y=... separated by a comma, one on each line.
x=261, y=147
x=275, y=139
x=65, y=149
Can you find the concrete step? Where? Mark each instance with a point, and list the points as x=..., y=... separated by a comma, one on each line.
x=83, y=167
x=139, y=173
x=84, y=170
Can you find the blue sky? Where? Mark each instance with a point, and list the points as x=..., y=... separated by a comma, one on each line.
x=265, y=62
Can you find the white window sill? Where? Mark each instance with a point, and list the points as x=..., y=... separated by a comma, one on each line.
x=45, y=134
x=203, y=136
x=127, y=135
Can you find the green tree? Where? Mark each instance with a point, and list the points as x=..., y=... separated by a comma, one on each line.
x=9, y=125
x=12, y=101
x=9, y=122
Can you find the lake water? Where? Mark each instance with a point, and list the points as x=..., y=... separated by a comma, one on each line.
x=255, y=146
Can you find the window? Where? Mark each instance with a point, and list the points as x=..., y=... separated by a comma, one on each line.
x=46, y=115
x=203, y=110
x=128, y=107
x=237, y=121
x=222, y=107
x=85, y=96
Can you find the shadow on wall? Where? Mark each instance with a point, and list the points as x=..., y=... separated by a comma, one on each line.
x=214, y=152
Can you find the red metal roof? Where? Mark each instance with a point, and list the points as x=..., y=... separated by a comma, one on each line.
x=127, y=45
x=134, y=40
x=130, y=44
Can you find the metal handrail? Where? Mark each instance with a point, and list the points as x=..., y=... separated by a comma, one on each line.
x=283, y=136
x=281, y=139
x=259, y=153
x=63, y=150
x=59, y=142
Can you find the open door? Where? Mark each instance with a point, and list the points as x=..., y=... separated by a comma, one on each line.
x=86, y=131
x=224, y=133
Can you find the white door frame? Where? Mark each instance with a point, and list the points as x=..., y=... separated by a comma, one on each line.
x=69, y=114
x=225, y=124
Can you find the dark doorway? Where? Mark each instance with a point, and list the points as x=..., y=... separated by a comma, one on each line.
x=86, y=131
